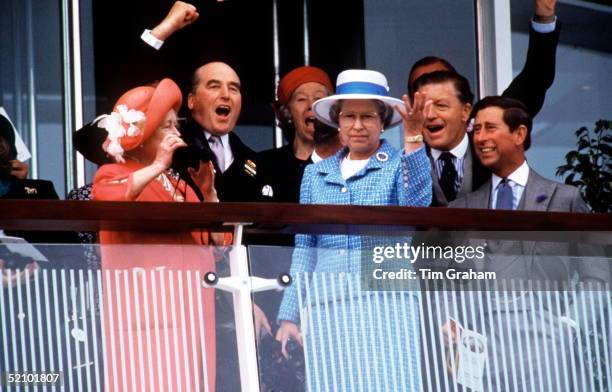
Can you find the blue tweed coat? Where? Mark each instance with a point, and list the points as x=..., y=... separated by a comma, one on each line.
x=389, y=178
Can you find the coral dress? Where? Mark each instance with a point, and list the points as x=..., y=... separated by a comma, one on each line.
x=159, y=321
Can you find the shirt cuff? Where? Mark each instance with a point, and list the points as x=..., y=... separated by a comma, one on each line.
x=151, y=40
x=544, y=28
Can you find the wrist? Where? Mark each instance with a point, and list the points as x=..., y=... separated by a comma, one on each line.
x=539, y=18
x=162, y=31
x=210, y=197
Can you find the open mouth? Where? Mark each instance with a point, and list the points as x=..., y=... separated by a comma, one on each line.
x=434, y=128
x=223, y=110
x=485, y=150
x=310, y=121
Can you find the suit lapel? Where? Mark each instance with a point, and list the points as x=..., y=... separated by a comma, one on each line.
x=480, y=198
x=538, y=193
x=467, y=184
x=536, y=197
x=439, y=199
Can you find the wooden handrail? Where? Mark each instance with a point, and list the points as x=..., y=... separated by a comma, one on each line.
x=148, y=216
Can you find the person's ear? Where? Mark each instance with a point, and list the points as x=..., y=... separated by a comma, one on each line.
x=520, y=134
x=190, y=99
x=465, y=112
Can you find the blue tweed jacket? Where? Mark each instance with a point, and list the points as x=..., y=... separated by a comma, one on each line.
x=389, y=178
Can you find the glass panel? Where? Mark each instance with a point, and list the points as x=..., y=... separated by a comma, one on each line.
x=116, y=317
x=398, y=33
x=529, y=311
x=134, y=317
x=582, y=88
x=31, y=82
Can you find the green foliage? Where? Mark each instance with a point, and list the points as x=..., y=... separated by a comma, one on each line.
x=590, y=166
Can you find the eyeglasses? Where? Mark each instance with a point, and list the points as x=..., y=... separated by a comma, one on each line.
x=348, y=119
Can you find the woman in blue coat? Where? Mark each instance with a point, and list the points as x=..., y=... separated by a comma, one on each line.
x=355, y=339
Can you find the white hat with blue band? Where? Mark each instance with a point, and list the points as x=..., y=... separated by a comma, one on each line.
x=358, y=84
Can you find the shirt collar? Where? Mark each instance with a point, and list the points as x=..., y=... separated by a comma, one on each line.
x=458, y=152
x=315, y=157
x=519, y=176
x=224, y=138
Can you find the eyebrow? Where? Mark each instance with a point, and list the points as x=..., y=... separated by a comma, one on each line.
x=216, y=81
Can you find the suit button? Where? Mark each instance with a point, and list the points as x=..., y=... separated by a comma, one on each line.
x=343, y=190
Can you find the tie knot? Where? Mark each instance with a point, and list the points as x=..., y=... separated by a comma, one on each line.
x=446, y=157
x=214, y=139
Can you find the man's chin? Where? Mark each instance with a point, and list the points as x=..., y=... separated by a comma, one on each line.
x=221, y=129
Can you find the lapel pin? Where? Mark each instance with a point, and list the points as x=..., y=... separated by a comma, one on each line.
x=541, y=198
x=30, y=191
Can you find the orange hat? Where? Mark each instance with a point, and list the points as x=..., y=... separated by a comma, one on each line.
x=299, y=76
x=137, y=114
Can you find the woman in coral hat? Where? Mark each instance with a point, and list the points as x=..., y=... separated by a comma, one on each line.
x=159, y=322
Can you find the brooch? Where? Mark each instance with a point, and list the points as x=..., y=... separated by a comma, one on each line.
x=30, y=191
x=250, y=168
x=382, y=157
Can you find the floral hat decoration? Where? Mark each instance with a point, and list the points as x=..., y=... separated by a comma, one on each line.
x=136, y=115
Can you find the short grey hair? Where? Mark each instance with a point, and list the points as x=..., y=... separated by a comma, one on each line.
x=384, y=111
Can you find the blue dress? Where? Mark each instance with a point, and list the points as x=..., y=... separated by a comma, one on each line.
x=356, y=339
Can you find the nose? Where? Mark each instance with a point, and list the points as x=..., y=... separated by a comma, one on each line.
x=358, y=124
x=311, y=100
x=480, y=137
x=430, y=113
x=174, y=130
x=224, y=91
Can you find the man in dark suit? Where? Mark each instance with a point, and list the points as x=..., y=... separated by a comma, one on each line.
x=455, y=170
x=540, y=338
x=214, y=102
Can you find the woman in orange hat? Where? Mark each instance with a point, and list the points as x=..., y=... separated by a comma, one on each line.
x=159, y=321
x=281, y=169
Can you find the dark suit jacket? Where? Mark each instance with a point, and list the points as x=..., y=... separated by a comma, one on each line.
x=37, y=190
x=474, y=175
x=538, y=73
x=283, y=172
x=237, y=183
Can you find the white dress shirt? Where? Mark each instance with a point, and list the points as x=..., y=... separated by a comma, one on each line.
x=227, y=151
x=517, y=180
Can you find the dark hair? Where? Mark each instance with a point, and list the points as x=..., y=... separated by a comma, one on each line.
x=5, y=158
x=425, y=61
x=384, y=111
x=461, y=84
x=285, y=122
x=515, y=114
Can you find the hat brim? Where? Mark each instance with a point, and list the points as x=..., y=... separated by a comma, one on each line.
x=322, y=106
x=8, y=134
x=88, y=141
x=166, y=96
